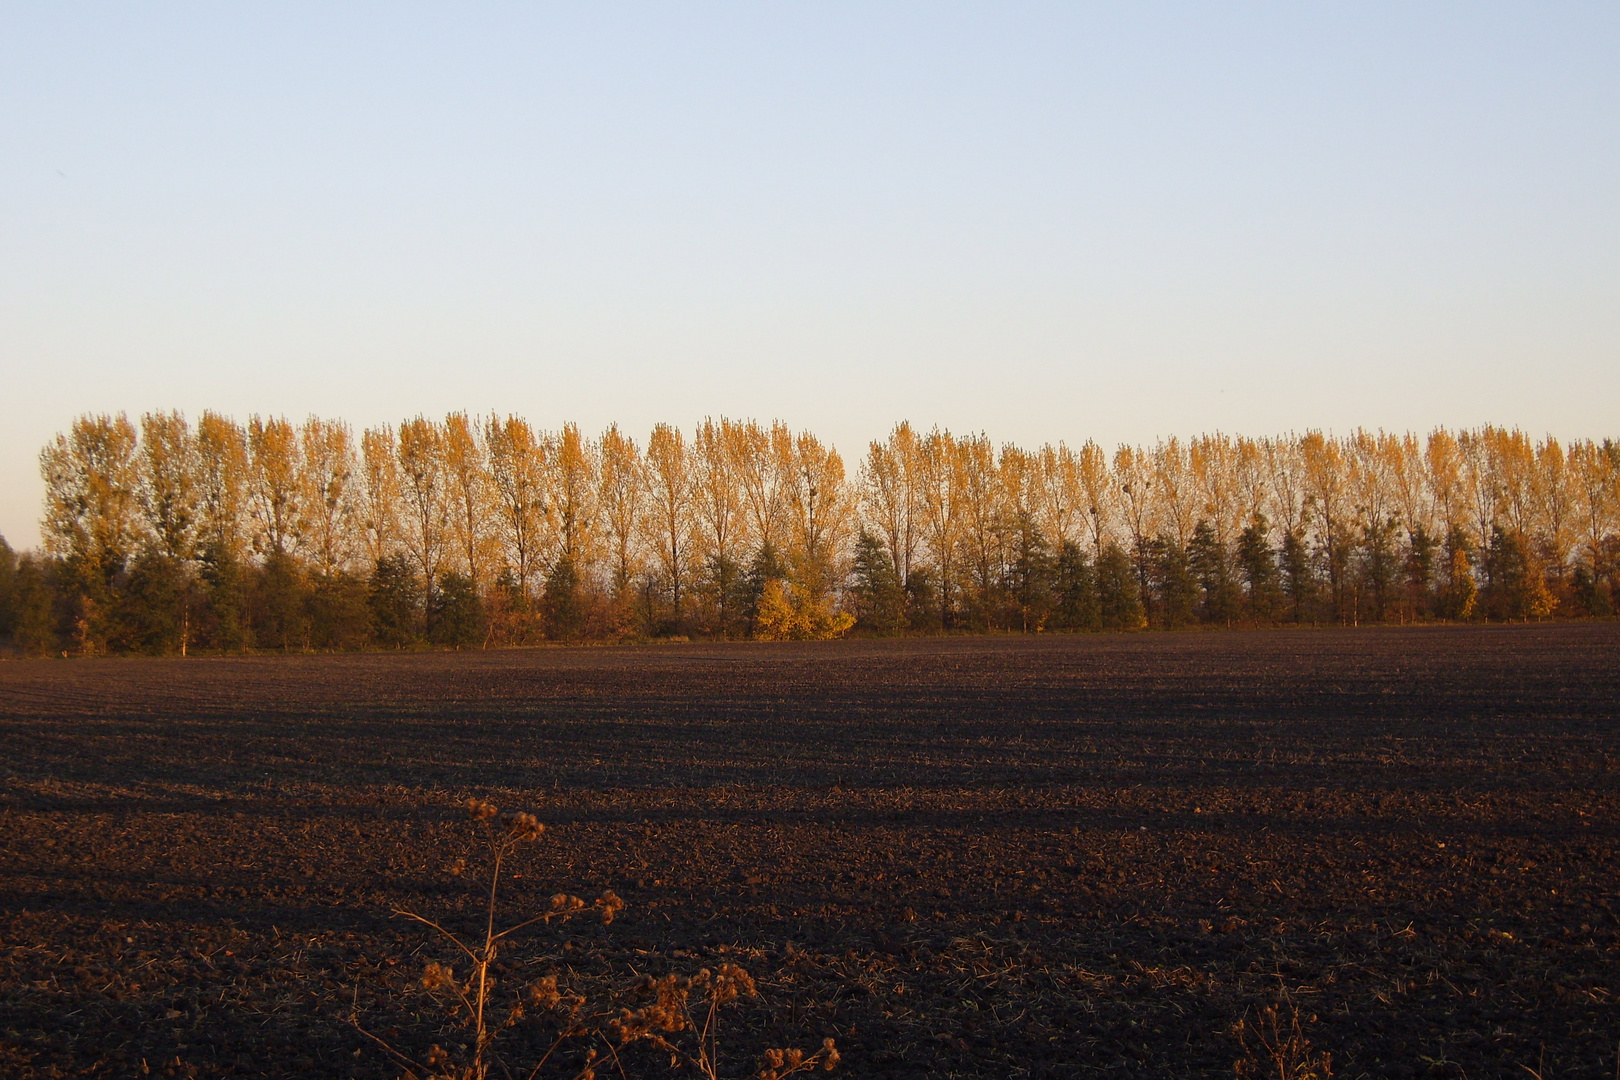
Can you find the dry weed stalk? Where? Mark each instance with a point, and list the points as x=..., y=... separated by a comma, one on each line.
x=1280, y=1048
x=668, y=1021
x=670, y=1015
x=470, y=1000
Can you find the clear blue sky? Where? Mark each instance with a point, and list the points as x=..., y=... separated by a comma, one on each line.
x=1040, y=221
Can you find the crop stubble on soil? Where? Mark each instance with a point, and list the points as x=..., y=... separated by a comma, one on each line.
x=1056, y=856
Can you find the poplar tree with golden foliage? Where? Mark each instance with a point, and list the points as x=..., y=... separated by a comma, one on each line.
x=167, y=536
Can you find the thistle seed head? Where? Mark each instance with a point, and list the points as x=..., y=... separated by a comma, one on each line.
x=523, y=827
x=436, y=976
x=544, y=993
x=731, y=983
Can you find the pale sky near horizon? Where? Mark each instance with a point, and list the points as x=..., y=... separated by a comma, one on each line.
x=1042, y=221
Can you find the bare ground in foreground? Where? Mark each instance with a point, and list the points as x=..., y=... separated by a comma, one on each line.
x=1022, y=856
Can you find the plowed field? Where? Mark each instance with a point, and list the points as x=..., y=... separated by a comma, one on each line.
x=1024, y=856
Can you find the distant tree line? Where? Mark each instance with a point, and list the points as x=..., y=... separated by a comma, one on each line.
x=176, y=537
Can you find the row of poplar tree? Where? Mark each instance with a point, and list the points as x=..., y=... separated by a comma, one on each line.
x=171, y=537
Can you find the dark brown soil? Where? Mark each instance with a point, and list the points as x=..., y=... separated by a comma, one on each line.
x=1051, y=856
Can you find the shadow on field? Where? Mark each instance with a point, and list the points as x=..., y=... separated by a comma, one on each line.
x=995, y=857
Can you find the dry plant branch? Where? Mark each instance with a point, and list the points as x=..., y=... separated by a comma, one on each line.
x=1280, y=1049
x=671, y=1022
x=682, y=1017
x=471, y=1000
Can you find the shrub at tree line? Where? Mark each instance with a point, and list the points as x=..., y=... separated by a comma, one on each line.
x=174, y=537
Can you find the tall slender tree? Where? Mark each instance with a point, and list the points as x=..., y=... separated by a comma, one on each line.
x=939, y=474
x=379, y=494
x=669, y=476
x=471, y=493
x=517, y=472
x=222, y=469
x=822, y=515
x=425, y=494
x=718, y=502
x=273, y=488
x=168, y=484
x=327, y=475
x=623, y=483
x=888, y=480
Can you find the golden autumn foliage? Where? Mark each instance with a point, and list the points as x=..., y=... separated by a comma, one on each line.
x=785, y=615
x=476, y=531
